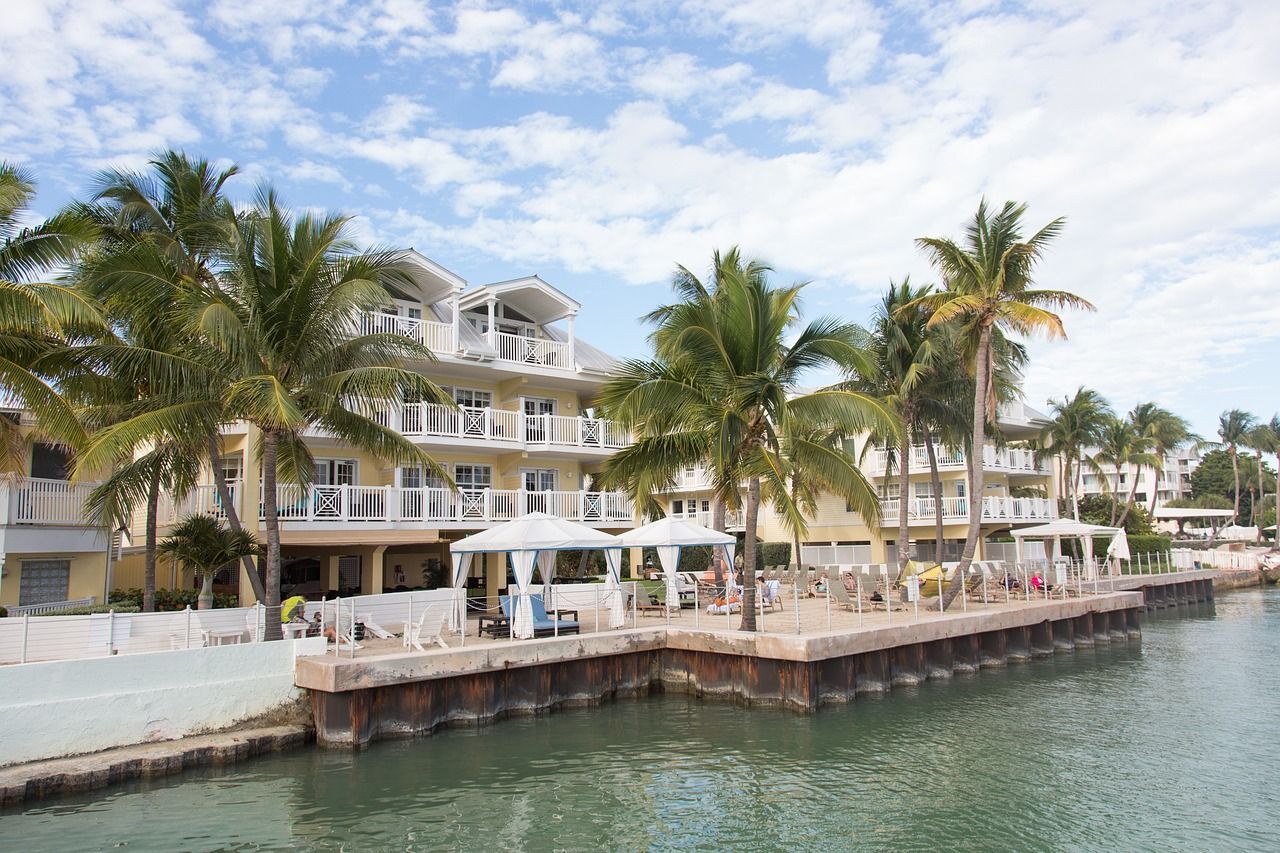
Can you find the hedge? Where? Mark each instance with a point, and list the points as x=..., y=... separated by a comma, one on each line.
x=171, y=599
x=1138, y=544
x=97, y=608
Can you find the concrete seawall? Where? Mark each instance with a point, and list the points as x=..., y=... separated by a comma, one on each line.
x=355, y=702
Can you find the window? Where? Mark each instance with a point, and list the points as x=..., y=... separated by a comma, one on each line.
x=232, y=468
x=411, y=478
x=888, y=491
x=335, y=472
x=962, y=488
x=470, y=398
x=923, y=491
x=43, y=581
x=706, y=506
x=473, y=477
x=677, y=507
x=539, y=479
x=49, y=462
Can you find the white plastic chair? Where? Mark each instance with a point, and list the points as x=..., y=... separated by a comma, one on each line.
x=429, y=627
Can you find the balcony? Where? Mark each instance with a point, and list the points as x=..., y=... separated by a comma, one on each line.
x=59, y=503
x=956, y=510
x=515, y=430
x=410, y=507
x=437, y=337
x=732, y=519
x=1009, y=460
x=544, y=352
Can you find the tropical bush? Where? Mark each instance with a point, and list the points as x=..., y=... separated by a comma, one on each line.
x=97, y=608
x=171, y=599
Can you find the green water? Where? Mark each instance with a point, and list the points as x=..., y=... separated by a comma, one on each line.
x=1170, y=744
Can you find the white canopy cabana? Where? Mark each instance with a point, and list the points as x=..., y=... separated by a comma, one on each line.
x=534, y=539
x=1057, y=530
x=669, y=536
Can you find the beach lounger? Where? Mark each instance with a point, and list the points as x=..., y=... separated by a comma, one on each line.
x=543, y=626
x=647, y=603
x=841, y=596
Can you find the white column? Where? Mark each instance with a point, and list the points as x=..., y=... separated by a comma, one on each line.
x=493, y=323
x=573, y=354
x=457, y=317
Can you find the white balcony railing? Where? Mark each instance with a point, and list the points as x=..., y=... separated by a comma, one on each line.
x=732, y=519
x=540, y=351
x=1011, y=460
x=517, y=428
x=437, y=337
x=203, y=499
x=393, y=504
x=33, y=500
x=921, y=510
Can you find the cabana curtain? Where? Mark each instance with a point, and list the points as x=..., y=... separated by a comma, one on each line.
x=522, y=624
x=613, y=587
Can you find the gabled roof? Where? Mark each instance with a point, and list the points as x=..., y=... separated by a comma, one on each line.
x=530, y=295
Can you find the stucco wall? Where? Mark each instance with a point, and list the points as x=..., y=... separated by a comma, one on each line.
x=71, y=707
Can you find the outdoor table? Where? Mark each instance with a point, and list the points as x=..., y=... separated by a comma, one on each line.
x=225, y=637
x=493, y=623
x=564, y=613
x=294, y=630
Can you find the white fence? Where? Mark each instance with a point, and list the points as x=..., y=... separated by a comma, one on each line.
x=829, y=555
x=27, y=639
x=1187, y=558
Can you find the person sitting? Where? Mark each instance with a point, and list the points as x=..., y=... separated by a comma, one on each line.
x=1037, y=582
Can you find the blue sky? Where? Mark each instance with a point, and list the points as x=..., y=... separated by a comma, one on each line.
x=599, y=144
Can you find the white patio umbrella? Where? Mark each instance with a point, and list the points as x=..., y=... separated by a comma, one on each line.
x=1119, y=547
x=669, y=536
x=525, y=538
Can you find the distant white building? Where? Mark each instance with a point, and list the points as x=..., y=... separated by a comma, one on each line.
x=1170, y=483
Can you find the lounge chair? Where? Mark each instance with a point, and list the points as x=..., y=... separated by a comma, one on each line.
x=543, y=626
x=647, y=603
x=429, y=627
x=840, y=595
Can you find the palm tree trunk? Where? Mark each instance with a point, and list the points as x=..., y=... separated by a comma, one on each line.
x=936, y=482
x=749, y=556
x=1275, y=539
x=981, y=379
x=1115, y=497
x=717, y=522
x=1257, y=537
x=1235, y=471
x=271, y=513
x=205, y=600
x=904, y=490
x=233, y=517
x=152, y=536
x=1128, y=504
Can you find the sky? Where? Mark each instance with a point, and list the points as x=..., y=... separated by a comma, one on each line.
x=601, y=144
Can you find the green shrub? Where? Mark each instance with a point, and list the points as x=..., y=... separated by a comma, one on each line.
x=97, y=608
x=172, y=599
x=776, y=553
x=1138, y=544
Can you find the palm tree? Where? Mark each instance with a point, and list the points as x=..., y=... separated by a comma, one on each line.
x=722, y=390
x=905, y=350
x=812, y=465
x=38, y=317
x=1166, y=432
x=988, y=280
x=163, y=233
x=1120, y=445
x=281, y=320
x=1263, y=438
x=200, y=543
x=1077, y=425
x=1233, y=428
